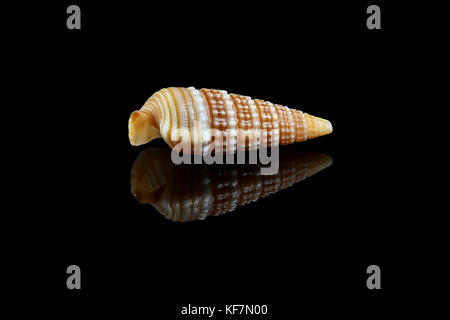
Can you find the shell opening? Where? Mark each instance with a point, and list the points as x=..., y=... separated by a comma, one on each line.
x=142, y=128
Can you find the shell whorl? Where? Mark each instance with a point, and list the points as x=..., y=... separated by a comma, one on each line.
x=236, y=117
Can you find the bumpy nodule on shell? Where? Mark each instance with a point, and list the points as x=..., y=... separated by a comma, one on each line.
x=187, y=193
x=173, y=109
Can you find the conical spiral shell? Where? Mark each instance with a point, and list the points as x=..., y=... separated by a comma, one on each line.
x=240, y=120
x=187, y=192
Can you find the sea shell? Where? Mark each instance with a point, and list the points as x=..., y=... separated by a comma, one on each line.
x=240, y=120
x=190, y=192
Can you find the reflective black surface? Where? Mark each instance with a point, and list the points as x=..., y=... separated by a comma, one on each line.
x=302, y=249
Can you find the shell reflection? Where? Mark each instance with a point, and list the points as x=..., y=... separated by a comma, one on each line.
x=190, y=192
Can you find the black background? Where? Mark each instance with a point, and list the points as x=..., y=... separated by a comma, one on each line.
x=302, y=249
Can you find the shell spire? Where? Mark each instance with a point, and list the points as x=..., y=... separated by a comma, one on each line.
x=171, y=110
